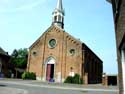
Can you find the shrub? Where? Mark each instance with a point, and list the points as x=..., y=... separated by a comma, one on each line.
x=75, y=80
x=81, y=81
x=32, y=76
x=68, y=79
x=24, y=76
x=9, y=74
x=29, y=75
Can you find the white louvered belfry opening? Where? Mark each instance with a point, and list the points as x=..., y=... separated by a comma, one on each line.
x=58, y=15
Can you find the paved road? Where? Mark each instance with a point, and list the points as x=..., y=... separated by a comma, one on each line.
x=37, y=87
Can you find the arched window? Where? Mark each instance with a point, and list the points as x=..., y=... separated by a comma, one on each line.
x=62, y=19
x=59, y=18
x=55, y=18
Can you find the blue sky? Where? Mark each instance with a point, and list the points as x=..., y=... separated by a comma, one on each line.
x=91, y=21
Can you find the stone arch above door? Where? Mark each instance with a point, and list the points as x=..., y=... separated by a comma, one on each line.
x=50, y=60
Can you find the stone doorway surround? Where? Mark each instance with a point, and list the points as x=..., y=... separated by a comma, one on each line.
x=49, y=67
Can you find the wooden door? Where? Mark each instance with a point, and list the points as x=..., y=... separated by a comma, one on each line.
x=48, y=72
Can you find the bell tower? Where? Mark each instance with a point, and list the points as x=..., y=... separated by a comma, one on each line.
x=58, y=15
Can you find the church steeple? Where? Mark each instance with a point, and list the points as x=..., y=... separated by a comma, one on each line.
x=58, y=15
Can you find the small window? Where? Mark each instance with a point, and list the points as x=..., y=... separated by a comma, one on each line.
x=34, y=53
x=72, y=52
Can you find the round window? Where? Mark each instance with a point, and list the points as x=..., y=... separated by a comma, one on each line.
x=52, y=43
x=72, y=51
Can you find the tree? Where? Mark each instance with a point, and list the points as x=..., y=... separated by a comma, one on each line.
x=19, y=58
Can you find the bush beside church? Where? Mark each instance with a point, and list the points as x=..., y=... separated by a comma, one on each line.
x=74, y=80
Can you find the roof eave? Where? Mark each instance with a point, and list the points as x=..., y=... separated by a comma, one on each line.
x=109, y=1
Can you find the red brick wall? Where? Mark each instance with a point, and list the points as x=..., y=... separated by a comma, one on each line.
x=61, y=53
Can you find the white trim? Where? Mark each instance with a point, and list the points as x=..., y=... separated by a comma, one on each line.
x=50, y=60
x=123, y=67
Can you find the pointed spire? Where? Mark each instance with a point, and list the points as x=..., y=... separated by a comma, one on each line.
x=59, y=5
x=58, y=15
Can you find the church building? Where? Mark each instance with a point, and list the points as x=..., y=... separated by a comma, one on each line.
x=56, y=54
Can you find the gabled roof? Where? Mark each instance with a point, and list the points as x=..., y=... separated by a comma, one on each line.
x=58, y=28
x=109, y=1
x=39, y=38
x=86, y=48
x=67, y=35
x=2, y=51
x=77, y=40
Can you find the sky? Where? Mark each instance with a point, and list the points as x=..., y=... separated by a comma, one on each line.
x=91, y=21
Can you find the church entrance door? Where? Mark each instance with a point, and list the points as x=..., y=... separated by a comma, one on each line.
x=50, y=68
x=50, y=72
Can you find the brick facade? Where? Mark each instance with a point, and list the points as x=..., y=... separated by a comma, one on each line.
x=69, y=56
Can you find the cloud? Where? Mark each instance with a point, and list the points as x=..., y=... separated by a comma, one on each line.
x=21, y=7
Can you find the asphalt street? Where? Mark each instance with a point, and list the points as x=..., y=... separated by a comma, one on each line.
x=37, y=87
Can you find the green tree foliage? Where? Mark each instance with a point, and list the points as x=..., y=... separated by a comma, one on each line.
x=19, y=58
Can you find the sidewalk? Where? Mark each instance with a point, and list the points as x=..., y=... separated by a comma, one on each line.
x=7, y=90
x=47, y=85
x=36, y=82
